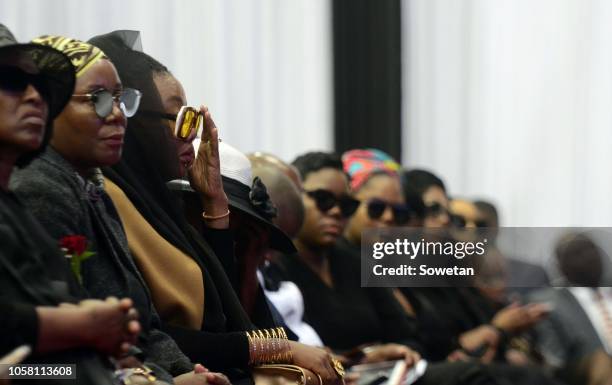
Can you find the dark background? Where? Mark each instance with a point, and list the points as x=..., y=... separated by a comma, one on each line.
x=367, y=75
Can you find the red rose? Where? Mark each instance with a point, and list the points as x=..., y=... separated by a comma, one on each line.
x=74, y=244
x=75, y=248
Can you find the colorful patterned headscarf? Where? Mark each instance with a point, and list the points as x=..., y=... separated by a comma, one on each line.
x=82, y=55
x=361, y=164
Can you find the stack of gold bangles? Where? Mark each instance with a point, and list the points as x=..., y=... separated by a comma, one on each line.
x=269, y=346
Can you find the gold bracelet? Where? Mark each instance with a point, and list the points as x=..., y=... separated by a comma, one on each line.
x=215, y=217
x=289, y=352
x=261, y=358
x=276, y=348
x=256, y=348
x=269, y=346
x=281, y=350
x=282, y=333
x=264, y=351
x=252, y=348
x=286, y=353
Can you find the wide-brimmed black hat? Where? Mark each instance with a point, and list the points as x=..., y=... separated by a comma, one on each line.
x=245, y=195
x=52, y=68
x=248, y=195
x=255, y=202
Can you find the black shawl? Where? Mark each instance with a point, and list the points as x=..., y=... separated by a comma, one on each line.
x=149, y=161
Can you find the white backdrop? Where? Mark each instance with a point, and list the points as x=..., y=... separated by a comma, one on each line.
x=507, y=100
x=512, y=101
x=264, y=67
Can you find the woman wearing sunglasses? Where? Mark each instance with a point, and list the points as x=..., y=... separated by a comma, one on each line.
x=344, y=314
x=65, y=190
x=376, y=184
x=89, y=132
x=426, y=193
x=35, y=84
x=185, y=270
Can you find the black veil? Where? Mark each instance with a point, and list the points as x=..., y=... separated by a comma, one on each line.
x=150, y=160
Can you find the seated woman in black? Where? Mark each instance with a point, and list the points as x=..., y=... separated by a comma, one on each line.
x=35, y=84
x=455, y=320
x=330, y=282
x=64, y=189
x=334, y=299
x=252, y=212
x=209, y=323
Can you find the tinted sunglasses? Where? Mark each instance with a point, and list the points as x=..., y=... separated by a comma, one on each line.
x=13, y=79
x=103, y=100
x=401, y=213
x=460, y=221
x=187, y=121
x=326, y=200
x=435, y=209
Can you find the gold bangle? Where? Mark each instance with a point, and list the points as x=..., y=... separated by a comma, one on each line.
x=281, y=349
x=263, y=352
x=275, y=357
x=252, y=348
x=282, y=331
x=285, y=354
x=215, y=217
x=279, y=332
x=269, y=351
x=288, y=354
x=268, y=346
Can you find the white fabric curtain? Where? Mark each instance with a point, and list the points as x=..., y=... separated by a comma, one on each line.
x=512, y=101
x=264, y=67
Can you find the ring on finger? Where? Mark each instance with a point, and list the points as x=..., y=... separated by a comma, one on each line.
x=338, y=367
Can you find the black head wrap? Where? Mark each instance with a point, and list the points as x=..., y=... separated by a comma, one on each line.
x=53, y=71
x=149, y=161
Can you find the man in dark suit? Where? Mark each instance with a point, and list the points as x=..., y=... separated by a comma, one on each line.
x=580, y=323
x=522, y=276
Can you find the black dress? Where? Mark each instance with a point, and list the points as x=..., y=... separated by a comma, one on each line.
x=34, y=273
x=347, y=315
x=444, y=313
